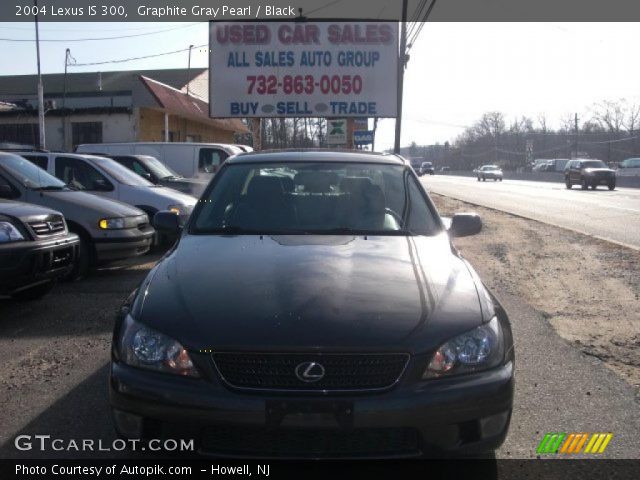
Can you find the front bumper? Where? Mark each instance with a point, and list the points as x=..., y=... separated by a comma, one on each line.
x=121, y=244
x=29, y=263
x=458, y=415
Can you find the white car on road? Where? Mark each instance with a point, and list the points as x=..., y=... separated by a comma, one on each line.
x=492, y=172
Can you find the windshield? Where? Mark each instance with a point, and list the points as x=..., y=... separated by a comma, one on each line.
x=315, y=198
x=30, y=175
x=594, y=164
x=120, y=173
x=158, y=168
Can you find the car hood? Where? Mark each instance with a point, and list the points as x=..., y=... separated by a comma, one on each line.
x=298, y=292
x=155, y=196
x=75, y=204
x=598, y=170
x=21, y=209
x=191, y=186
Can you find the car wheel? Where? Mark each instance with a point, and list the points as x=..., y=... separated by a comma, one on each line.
x=500, y=178
x=567, y=183
x=484, y=179
x=34, y=293
x=584, y=185
x=593, y=186
x=84, y=263
x=612, y=186
x=478, y=178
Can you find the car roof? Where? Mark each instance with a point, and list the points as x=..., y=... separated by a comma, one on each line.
x=302, y=156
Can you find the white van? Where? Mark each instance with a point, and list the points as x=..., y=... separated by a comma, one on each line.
x=191, y=160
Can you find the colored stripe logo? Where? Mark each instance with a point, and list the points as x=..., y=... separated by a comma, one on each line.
x=573, y=443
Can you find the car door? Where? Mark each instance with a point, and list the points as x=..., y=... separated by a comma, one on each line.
x=210, y=159
x=79, y=174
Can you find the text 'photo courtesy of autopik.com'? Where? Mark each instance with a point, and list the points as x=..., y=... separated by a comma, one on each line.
x=316, y=238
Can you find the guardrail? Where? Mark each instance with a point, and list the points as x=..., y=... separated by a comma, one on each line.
x=554, y=177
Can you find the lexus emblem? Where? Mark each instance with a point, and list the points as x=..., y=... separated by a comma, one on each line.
x=309, y=372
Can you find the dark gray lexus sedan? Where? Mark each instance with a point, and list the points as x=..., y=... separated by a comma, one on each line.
x=315, y=307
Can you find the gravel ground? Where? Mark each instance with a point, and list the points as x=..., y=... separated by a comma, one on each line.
x=588, y=289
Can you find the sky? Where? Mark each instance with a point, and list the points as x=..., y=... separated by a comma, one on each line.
x=456, y=71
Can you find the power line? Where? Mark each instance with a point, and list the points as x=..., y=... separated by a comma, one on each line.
x=422, y=23
x=130, y=59
x=97, y=38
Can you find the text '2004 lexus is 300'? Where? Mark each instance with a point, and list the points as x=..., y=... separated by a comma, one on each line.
x=314, y=306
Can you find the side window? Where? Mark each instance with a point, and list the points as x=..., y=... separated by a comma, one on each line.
x=39, y=160
x=7, y=190
x=139, y=168
x=209, y=159
x=80, y=175
x=420, y=219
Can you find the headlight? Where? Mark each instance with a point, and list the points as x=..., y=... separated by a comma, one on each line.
x=478, y=349
x=144, y=347
x=9, y=233
x=180, y=209
x=121, y=222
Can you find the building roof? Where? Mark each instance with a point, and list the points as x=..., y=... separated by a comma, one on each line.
x=177, y=102
x=84, y=82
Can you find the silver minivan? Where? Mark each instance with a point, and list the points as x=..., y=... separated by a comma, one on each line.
x=109, y=230
x=107, y=178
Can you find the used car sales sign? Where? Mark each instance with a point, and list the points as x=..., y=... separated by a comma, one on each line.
x=303, y=69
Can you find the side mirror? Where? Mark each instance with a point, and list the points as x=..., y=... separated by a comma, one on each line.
x=167, y=222
x=465, y=224
x=102, y=185
x=6, y=192
x=148, y=176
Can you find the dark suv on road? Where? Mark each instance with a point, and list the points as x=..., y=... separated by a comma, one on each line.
x=314, y=306
x=35, y=249
x=589, y=173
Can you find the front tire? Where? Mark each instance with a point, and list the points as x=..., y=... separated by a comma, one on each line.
x=567, y=183
x=478, y=178
x=583, y=184
x=612, y=186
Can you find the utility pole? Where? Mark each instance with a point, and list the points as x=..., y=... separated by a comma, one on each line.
x=401, y=67
x=189, y=69
x=576, y=133
x=42, y=144
x=375, y=127
x=67, y=54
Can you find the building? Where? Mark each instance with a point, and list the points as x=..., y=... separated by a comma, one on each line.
x=124, y=106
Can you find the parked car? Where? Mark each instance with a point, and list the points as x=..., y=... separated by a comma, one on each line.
x=156, y=172
x=445, y=169
x=589, y=173
x=426, y=167
x=107, y=178
x=191, y=160
x=36, y=249
x=108, y=230
x=629, y=167
x=489, y=172
x=269, y=321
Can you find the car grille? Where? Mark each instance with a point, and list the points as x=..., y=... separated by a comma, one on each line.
x=51, y=226
x=307, y=442
x=346, y=372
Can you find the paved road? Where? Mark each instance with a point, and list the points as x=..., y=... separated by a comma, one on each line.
x=53, y=379
x=610, y=215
